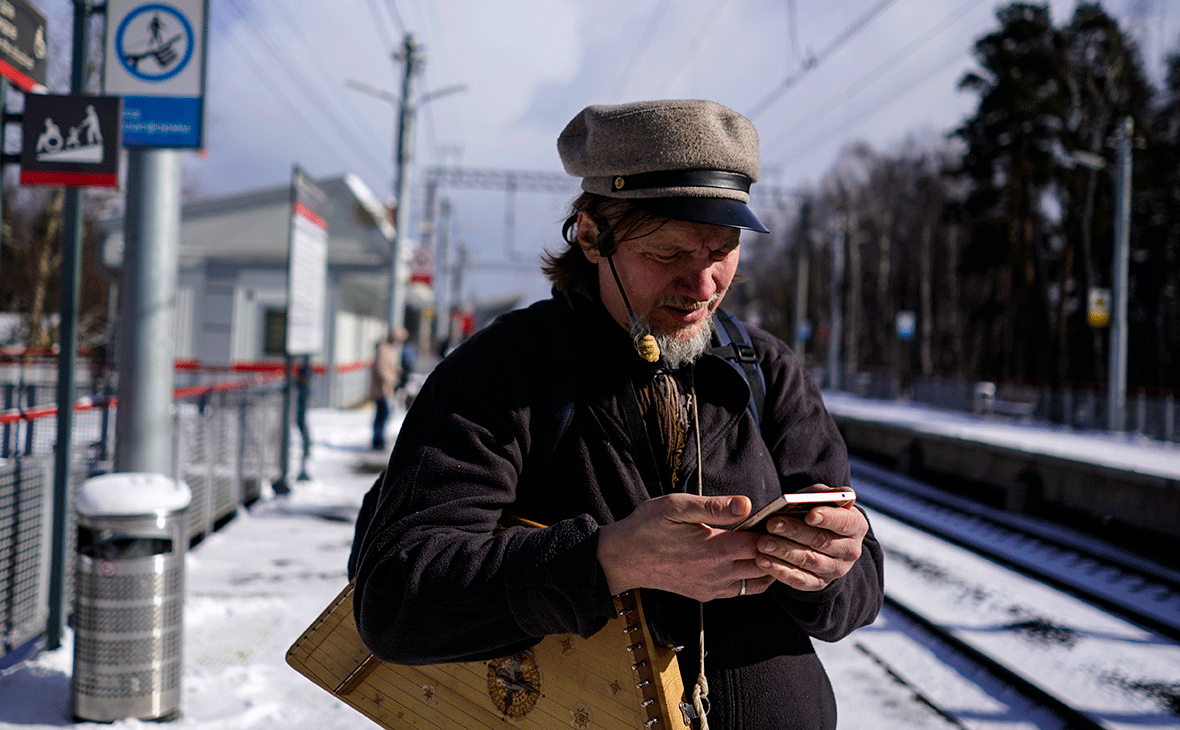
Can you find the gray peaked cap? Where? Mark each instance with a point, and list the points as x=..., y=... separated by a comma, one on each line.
x=689, y=160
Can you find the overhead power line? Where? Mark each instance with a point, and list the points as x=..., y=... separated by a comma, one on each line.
x=644, y=42
x=396, y=17
x=379, y=24
x=813, y=62
x=678, y=68
x=793, y=31
x=276, y=90
x=331, y=84
x=314, y=98
x=904, y=53
x=885, y=99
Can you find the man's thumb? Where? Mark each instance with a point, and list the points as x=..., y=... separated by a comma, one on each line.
x=714, y=510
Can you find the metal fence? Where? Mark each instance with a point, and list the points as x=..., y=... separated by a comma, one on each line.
x=1154, y=415
x=226, y=448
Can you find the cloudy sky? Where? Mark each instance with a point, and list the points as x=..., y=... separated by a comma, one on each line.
x=277, y=95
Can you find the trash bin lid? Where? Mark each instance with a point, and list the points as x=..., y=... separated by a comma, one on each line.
x=131, y=493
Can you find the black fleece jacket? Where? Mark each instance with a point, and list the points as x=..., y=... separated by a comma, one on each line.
x=434, y=583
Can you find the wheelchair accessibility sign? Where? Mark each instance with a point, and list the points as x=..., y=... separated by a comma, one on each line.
x=71, y=141
x=155, y=60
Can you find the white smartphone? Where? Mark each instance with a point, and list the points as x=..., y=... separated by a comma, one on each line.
x=799, y=503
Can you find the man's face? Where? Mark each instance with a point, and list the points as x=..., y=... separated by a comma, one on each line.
x=674, y=276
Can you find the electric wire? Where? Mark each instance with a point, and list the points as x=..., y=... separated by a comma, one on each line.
x=318, y=62
x=793, y=32
x=644, y=42
x=812, y=63
x=276, y=91
x=329, y=114
x=904, y=53
x=379, y=24
x=396, y=17
x=691, y=49
x=887, y=98
x=439, y=36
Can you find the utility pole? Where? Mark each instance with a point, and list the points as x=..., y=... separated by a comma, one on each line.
x=405, y=143
x=1117, y=385
x=407, y=105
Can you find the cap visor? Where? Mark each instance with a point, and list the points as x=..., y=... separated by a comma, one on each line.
x=717, y=211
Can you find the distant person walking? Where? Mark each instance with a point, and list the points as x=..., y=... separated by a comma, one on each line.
x=385, y=376
x=409, y=363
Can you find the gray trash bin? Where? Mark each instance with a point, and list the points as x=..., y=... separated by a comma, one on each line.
x=129, y=597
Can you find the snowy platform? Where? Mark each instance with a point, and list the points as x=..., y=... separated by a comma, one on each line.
x=256, y=584
x=1131, y=480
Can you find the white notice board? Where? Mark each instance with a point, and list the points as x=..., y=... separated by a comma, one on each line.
x=307, y=271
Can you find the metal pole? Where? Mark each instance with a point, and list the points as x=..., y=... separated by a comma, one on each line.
x=301, y=414
x=443, y=266
x=147, y=321
x=71, y=273
x=1117, y=387
x=280, y=485
x=3, y=130
x=428, y=328
x=405, y=144
x=836, y=320
x=802, y=276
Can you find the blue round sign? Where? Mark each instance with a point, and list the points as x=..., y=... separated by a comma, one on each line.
x=154, y=42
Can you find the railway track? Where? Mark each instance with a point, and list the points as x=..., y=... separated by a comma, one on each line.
x=1145, y=593
x=1068, y=631
x=1022, y=698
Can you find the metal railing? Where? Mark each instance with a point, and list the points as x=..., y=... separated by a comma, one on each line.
x=226, y=448
x=1153, y=415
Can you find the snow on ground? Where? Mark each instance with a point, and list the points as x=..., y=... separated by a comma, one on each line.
x=256, y=584
x=1129, y=452
x=1094, y=661
x=252, y=588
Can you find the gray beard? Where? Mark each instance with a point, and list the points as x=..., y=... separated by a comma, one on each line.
x=678, y=351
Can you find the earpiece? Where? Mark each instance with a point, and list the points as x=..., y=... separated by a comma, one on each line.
x=606, y=242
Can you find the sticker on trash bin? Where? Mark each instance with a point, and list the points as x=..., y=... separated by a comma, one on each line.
x=107, y=569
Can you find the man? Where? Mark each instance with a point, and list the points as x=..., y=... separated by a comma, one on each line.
x=660, y=454
x=383, y=381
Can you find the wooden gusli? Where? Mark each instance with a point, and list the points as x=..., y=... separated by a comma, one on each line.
x=617, y=678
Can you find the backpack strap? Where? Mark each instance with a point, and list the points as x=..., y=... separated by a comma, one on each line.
x=737, y=348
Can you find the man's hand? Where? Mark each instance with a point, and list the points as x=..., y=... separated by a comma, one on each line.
x=667, y=543
x=809, y=553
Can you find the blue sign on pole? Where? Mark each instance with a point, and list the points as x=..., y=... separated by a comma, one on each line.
x=153, y=121
x=906, y=325
x=155, y=60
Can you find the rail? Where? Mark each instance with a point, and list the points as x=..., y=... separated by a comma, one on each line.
x=1011, y=605
x=1139, y=590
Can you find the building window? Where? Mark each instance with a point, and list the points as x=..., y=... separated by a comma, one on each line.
x=274, y=332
